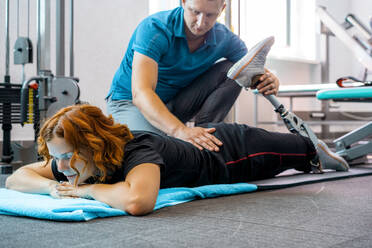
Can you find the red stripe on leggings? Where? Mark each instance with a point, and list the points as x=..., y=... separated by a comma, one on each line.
x=265, y=153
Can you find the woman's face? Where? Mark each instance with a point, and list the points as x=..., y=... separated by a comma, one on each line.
x=62, y=152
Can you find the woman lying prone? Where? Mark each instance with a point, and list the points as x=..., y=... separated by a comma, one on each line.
x=88, y=155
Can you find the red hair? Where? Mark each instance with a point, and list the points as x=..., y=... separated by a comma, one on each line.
x=86, y=127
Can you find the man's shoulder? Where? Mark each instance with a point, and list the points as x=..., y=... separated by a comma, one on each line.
x=221, y=27
x=226, y=38
x=222, y=30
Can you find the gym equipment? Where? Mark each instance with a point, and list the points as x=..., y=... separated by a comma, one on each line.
x=347, y=82
x=349, y=145
x=23, y=46
x=40, y=96
x=22, y=51
x=8, y=98
x=54, y=92
x=359, y=43
x=360, y=46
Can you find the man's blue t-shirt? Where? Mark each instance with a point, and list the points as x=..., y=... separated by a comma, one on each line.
x=162, y=37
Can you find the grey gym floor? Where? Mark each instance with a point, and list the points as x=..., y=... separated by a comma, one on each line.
x=328, y=214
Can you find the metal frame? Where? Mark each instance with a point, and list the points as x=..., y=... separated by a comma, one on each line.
x=72, y=58
x=324, y=68
x=6, y=156
x=288, y=22
x=7, y=38
x=46, y=81
x=60, y=38
x=339, y=31
x=355, y=22
x=43, y=36
x=343, y=144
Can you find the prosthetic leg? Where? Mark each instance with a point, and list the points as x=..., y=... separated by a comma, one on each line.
x=252, y=64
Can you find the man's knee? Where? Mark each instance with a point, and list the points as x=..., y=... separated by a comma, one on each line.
x=125, y=112
x=222, y=66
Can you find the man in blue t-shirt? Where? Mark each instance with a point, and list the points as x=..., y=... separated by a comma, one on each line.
x=169, y=74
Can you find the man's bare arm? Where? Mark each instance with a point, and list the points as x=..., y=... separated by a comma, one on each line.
x=144, y=80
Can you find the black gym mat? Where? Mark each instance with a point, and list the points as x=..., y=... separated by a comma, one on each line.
x=292, y=178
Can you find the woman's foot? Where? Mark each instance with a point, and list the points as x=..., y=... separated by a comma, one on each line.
x=326, y=159
x=252, y=64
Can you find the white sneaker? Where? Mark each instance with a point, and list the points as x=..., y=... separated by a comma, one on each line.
x=252, y=64
x=329, y=159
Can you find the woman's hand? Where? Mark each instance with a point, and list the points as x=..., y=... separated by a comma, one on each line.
x=66, y=190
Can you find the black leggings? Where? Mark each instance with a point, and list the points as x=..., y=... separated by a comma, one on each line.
x=253, y=153
x=208, y=98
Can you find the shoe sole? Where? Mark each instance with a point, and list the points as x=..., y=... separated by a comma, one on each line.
x=246, y=64
x=346, y=167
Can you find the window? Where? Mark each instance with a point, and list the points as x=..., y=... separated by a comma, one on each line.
x=260, y=19
x=292, y=22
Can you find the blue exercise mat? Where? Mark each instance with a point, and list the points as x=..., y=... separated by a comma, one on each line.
x=45, y=207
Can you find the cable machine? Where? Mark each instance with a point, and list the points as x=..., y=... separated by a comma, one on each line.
x=40, y=96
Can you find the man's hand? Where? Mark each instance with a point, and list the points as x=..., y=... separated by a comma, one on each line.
x=268, y=83
x=199, y=137
x=67, y=190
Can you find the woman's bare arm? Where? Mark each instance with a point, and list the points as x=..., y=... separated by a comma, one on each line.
x=33, y=178
x=136, y=195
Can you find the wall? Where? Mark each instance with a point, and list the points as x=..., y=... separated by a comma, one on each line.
x=102, y=32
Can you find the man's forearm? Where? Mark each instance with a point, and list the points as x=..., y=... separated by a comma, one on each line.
x=155, y=111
